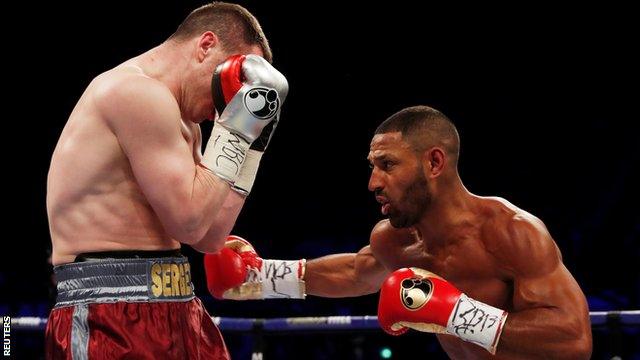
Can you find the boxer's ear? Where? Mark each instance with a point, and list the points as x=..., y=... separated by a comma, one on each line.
x=433, y=161
x=206, y=42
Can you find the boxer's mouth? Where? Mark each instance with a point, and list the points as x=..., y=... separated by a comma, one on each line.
x=385, y=204
x=381, y=199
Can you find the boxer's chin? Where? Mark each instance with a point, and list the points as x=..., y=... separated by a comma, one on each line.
x=399, y=221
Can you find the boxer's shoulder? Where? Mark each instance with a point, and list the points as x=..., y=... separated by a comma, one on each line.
x=503, y=220
x=124, y=94
x=510, y=233
x=385, y=239
x=122, y=83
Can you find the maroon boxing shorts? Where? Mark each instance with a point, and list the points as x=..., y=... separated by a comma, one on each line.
x=133, y=307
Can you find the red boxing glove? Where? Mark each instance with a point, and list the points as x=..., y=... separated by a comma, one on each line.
x=237, y=272
x=227, y=268
x=418, y=299
x=227, y=81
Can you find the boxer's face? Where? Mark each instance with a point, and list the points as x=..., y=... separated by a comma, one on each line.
x=398, y=180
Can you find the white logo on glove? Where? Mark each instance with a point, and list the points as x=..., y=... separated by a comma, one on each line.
x=262, y=102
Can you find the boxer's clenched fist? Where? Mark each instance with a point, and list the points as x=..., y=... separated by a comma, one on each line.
x=418, y=299
x=238, y=273
x=249, y=93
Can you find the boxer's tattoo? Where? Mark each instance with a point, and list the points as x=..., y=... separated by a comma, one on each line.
x=469, y=317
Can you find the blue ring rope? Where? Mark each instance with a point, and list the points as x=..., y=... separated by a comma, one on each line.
x=631, y=317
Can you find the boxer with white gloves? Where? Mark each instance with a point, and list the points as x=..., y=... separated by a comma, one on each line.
x=128, y=186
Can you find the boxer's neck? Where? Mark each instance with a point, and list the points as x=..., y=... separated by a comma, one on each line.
x=165, y=63
x=451, y=207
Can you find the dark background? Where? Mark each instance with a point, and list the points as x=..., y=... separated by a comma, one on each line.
x=545, y=100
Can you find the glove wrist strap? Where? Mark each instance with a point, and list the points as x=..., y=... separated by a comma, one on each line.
x=248, y=172
x=282, y=279
x=225, y=153
x=477, y=322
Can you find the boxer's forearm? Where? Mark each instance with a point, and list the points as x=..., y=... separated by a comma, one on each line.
x=337, y=275
x=546, y=333
x=223, y=222
x=188, y=208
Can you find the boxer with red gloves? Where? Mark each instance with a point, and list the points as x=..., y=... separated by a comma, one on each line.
x=501, y=289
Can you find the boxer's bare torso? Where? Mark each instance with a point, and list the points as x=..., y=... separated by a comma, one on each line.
x=494, y=252
x=93, y=200
x=469, y=256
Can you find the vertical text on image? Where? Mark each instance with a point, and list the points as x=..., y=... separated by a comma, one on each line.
x=6, y=335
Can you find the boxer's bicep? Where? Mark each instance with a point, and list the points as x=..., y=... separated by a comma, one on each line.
x=540, y=279
x=146, y=121
x=549, y=313
x=369, y=269
x=343, y=275
x=532, y=260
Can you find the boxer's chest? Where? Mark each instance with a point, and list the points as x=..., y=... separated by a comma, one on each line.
x=466, y=264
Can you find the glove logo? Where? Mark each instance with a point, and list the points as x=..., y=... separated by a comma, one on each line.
x=262, y=102
x=415, y=293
